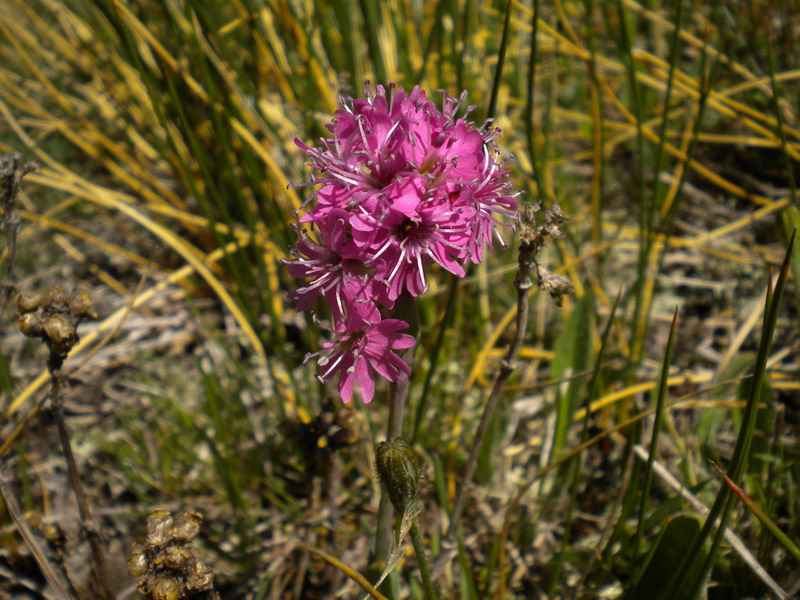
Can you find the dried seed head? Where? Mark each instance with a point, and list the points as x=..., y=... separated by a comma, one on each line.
x=557, y=285
x=60, y=333
x=165, y=564
x=165, y=589
x=27, y=303
x=400, y=470
x=175, y=557
x=200, y=578
x=57, y=296
x=187, y=527
x=80, y=303
x=137, y=560
x=30, y=324
x=158, y=526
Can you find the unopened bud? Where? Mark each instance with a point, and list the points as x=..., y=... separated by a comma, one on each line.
x=399, y=469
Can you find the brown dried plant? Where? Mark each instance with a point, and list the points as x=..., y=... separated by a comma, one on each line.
x=166, y=565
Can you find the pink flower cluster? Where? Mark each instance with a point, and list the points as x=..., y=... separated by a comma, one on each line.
x=403, y=185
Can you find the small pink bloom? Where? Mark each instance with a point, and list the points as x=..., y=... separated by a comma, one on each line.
x=356, y=352
x=338, y=269
x=413, y=233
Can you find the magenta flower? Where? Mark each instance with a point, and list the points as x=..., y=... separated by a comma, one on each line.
x=384, y=139
x=356, y=351
x=402, y=185
x=338, y=269
x=412, y=233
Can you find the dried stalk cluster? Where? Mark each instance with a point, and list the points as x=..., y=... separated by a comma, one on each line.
x=54, y=317
x=165, y=564
x=532, y=238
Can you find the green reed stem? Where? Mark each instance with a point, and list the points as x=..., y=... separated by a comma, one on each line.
x=422, y=405
x=405, y=309
x=422, y=561
x=657, y=425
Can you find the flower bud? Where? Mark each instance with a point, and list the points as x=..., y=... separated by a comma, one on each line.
x=30, y=324
x=27, y=303
x=165, y=589
x=399, y=469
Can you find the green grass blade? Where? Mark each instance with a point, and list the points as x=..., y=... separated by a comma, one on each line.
x=572, y=356
x=530, y=105
x=761, y=515
x=626, y=48
x=371, y=13
x=687, y=584
x=501, y=59
x=657, y=425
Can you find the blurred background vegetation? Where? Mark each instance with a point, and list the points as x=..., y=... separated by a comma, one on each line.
x=164, y=133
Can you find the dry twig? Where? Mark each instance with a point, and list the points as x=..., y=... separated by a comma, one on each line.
x=12, y=170
x=532, y=238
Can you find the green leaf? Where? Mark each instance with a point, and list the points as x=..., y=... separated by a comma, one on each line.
x=673, y=542
x=572, y=355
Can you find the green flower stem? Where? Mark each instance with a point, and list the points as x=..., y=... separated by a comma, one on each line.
x=383, y=541
x=422, y=561
x=405, y=309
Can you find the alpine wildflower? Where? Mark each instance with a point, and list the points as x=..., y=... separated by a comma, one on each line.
x=402, y=185
x=357, y=351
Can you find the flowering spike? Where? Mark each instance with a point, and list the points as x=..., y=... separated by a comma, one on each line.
x=402, y=185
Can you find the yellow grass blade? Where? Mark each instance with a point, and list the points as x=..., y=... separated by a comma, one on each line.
x=72, y=183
